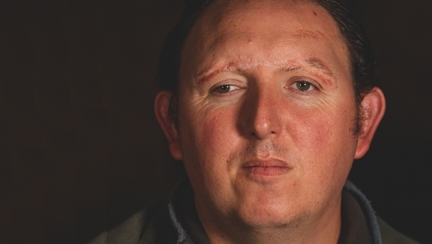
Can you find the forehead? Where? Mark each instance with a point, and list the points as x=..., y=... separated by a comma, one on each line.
x=233, y=28
x=233, y=12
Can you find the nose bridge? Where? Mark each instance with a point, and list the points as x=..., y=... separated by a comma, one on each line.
x=264, y=119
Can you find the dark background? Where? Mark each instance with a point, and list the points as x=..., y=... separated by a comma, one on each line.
x=80, y=147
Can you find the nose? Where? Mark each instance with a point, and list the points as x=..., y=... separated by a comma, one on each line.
x=264, y=120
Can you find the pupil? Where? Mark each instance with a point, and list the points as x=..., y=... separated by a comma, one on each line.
x=303, y=85
x=223, y=89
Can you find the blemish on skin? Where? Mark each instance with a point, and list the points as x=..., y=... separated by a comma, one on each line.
x=314, y=13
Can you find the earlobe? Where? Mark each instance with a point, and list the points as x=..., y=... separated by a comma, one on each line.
x=372, y=108
x=162, y=110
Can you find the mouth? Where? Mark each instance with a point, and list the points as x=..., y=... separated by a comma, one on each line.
x=265, y=171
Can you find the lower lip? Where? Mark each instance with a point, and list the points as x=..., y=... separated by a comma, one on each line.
x=265, y=173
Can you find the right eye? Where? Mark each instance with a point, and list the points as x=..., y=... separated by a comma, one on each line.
x=224, y=88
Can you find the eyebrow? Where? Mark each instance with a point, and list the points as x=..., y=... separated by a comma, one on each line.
x=207, y=75
x=314, y=63
x=233, y=67
x=318, y=64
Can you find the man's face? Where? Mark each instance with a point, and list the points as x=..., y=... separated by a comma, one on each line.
x=266, y=113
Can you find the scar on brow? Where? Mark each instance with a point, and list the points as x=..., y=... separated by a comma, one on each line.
x=317, y=63
x=207, y=75
x=307, y=33
x=202, y=78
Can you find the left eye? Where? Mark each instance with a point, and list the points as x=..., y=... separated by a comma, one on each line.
x=304, y=86
x=224, y=88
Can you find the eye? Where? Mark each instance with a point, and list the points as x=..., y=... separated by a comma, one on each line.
x=304, y=86
x=224, y=88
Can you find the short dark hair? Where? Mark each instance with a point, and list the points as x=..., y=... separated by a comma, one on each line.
x=169, y=62
x=362, y=60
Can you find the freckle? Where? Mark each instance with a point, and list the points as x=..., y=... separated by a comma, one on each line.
x=314, y=13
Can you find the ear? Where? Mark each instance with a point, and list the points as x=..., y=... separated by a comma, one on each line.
x=162, y=107
x=372, y=109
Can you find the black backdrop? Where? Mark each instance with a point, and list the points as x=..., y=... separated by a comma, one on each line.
x=79, y=145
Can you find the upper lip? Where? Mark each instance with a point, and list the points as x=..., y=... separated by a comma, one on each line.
x=271, y=162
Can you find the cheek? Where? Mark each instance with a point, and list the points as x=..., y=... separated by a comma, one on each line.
x=325, y=147
x=323, y=130
x=206, y=135
x=216, y=130
x=310, y=135
x=216, y=127
x=207, y=146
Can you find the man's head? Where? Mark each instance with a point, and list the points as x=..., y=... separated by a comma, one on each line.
x=362, y=60
x=266, y=120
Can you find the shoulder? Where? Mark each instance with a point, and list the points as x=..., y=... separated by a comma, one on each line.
x=128, y=231
x=142, y=227
x=391, y=236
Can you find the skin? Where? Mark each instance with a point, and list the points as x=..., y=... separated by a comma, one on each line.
x=265, y=121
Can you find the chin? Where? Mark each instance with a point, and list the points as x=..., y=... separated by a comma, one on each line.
x=270, y=222
x=269, y=216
